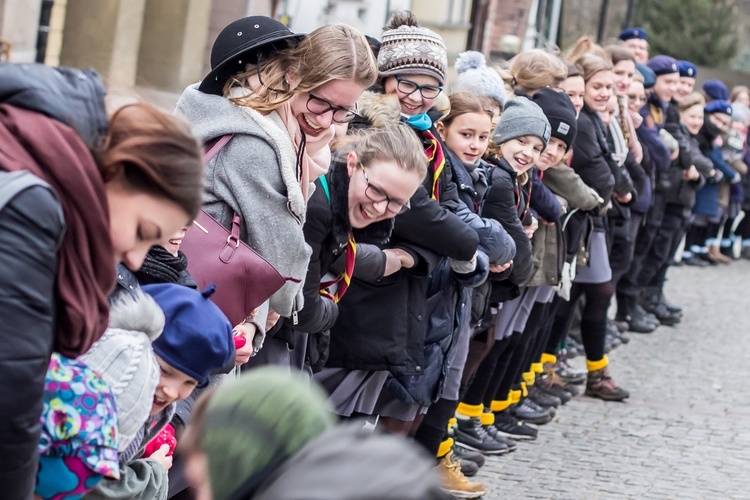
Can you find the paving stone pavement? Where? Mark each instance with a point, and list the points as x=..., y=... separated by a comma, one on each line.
x=685, y=431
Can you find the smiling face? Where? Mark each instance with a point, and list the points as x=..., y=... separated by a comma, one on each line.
x=552, y=154
x=337, y=93
x=692, y=118
x=372, y=186
x=138, y=221
x=467, y=136
x=414, y=103
x=522, y=152
x=598, y=90
x=685, y=87
x=623, y=71
x=666, y=86
x=574, y=87
x=721, y=120
x=636, y=96
x=639, y=48
x=173, y=386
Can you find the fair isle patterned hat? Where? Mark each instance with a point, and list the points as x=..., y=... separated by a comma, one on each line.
x=412, y=50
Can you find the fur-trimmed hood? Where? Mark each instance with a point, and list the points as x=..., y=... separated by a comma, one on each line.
x=377, y=110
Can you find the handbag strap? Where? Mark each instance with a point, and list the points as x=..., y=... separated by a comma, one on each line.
x=212, y=148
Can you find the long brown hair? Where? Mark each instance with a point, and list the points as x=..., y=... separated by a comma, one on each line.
x=156, y=153
x=334, y=52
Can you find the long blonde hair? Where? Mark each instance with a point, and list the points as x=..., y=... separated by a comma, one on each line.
x=334, y=52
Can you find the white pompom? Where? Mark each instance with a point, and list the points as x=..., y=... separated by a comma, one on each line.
x=471, y=59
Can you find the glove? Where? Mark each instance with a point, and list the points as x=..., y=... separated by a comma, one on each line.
x=166, y=436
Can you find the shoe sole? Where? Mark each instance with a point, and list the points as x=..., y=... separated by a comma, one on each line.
x=483, y=452
x=516, y=437
x=464, y=494
x=604, y=398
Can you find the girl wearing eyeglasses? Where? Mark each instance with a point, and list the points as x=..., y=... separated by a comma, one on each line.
x=383, y=326
x=374, y=174
x=279, y=96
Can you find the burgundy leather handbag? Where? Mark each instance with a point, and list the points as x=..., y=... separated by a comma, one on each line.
x=215, y=254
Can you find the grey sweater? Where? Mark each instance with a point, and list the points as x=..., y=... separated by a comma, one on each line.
x=255, y=176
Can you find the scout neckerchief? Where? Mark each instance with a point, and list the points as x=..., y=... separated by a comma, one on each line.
x=434, y=153
x=345, y=278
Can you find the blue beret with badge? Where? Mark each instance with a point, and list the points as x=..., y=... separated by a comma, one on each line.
x=631, y=33
x=663, y=65
x=687, y=69
x=718, y=106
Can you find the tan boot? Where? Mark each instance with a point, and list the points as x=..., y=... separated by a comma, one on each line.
x=454, y=482
x=715, y=253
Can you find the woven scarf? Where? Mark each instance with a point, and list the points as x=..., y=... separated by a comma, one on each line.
x=161, y=266
x=435, y=156
x=345, y=278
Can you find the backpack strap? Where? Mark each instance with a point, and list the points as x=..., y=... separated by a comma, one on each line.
x=13, y=183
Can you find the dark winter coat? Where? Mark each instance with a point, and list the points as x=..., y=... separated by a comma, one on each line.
x=382, y=324
x=707, y=198
x=505, y=202
x=327, y=229
x=32, y=227
x=681, y=194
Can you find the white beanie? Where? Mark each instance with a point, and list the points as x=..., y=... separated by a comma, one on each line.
x=125, y=360
x=476, y=77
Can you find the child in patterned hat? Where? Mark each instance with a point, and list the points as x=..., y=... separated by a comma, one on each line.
x=78, y=446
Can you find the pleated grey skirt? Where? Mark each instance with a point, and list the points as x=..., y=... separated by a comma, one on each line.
x=514, y=314
x=597, y=270
x=351, y=391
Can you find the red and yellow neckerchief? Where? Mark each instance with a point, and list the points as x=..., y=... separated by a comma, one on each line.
x=434, y=153
x=345, y=278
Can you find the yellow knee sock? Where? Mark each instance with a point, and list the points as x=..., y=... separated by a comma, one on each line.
x=469, y=410
x=529, y=378
x=548, y=358
x=515, y=396
x=537, y=368
x=445, y=447
x=498, y=406
x=487, y=418
x=593, y=366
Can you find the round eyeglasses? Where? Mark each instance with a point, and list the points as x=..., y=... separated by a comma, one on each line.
x=408, y=87
x=375, y=194
x=318, y=105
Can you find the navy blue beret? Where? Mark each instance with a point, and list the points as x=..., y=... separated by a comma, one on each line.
x=687, y=69
x=663, y=65
x=649, y=77
x=715, y=89
x=719, y=106
x=197, y=337
x=632, y=33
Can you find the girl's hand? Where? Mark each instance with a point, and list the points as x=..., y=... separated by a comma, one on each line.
x=498, y=268
x=392, y=262
x=244, y=351
x=161, y=456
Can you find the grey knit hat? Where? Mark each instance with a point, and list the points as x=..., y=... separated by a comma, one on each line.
x=521, y=117
x=124, y=358
x=412, y=50
x=476, y=77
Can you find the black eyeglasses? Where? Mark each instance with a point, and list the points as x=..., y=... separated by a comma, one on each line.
x=376, y=195
x=408, y=87
x=318, y=105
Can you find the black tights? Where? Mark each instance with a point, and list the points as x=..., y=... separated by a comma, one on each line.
x=593, y=318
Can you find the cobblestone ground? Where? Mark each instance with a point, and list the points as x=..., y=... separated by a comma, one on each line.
x=684, y=432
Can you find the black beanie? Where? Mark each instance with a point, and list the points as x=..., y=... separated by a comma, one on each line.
x=560, y=112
